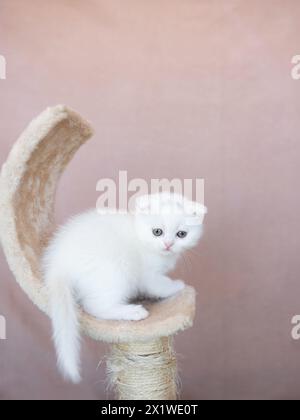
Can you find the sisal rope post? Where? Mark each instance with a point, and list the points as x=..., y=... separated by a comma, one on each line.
x=144, y=370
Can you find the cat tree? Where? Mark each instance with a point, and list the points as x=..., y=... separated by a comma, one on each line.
x=142, y=363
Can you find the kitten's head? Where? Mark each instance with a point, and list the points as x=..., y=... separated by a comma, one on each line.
x=168, y=223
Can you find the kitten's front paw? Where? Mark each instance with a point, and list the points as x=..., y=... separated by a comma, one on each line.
x=178, y=285
x=135, y=313
x=174, y=287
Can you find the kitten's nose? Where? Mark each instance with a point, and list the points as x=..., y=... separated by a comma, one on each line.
x=168, y=245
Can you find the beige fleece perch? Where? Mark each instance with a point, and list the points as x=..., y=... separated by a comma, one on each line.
x=142, y=364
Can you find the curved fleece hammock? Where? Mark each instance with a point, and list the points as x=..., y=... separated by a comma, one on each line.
x=142, y=364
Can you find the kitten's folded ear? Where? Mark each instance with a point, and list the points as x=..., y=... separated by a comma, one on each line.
x=145, y=204
x=195, y=210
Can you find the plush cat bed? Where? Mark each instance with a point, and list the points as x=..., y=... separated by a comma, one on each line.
x=28, y=185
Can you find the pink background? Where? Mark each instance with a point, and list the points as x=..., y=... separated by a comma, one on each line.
x=174, y=89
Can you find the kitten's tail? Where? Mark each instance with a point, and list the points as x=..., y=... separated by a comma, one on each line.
x=66, y=331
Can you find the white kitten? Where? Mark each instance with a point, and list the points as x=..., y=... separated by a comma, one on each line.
x=103, y=261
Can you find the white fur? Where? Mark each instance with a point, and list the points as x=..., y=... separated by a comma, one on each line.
x=103, y=261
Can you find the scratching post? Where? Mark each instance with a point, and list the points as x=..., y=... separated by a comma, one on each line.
x=142, y=363
x=144, y=370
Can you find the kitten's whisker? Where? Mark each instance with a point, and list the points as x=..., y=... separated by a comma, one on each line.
x=194, y=252
x=182, y=266
x=185, y=262
x=188, y=257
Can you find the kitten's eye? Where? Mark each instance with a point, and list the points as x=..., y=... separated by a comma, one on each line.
x=181, y=234
x=157, y=232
